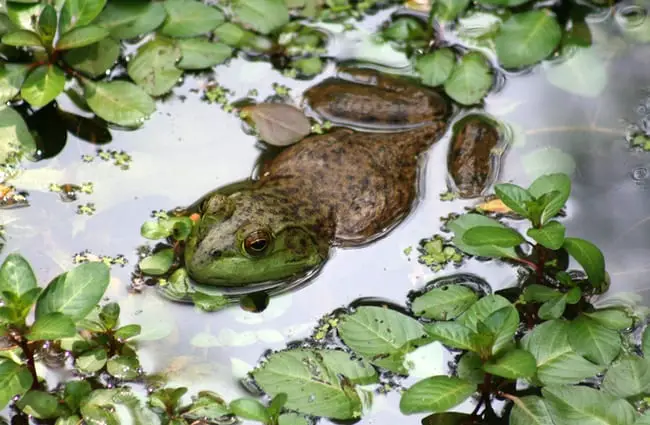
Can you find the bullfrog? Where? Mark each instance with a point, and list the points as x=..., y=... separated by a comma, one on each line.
x=474, y=155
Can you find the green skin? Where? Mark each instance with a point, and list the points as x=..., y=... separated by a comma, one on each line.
x=344, y=188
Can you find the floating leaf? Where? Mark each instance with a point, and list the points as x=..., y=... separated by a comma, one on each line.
x=470, y=80
x=551, y=235
x=120, y=102
x=77, y=13
x=96, y=59
x=356, y=371
x=118, y=13
x=435, y=68
x=51, y=327
x=91, y=361
x=16, y=276
x=438, y=393
x=513, y=364
x=528, y=37
x=466, y=221
x=22, y=38
x=380, y=335
x=612, y=318
x=279, y=124
x=123, y=367
x=201, y=53
x=81, y=36
x=146, y=21
x=449, y=10
x=15, y=380
x=627, y=378
x=264, y=16
x=158, y=263
x=43, y=85
x=530, y=410
x=154, y=66
x=292, y=419
x=590, y=258
x=189, y=18
x=14, y=134
x=586, y=406
x=74, y=293
x=444, y=303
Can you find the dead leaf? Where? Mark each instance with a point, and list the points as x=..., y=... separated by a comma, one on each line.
x=495, y=206
x=279, y=124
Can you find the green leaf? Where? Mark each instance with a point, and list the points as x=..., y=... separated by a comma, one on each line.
x=200, y=53
x=22, y=38
x=189, y=18
x=146, y=21
x=355, y=370
x=292, y=419
x=449, y=10
x=514, y=197
x=15, y=380
x=11, y=79
x=553, y=309
x=39, y=404
x=14, y=134
x=470, y=368
x=444, y=303
x=580, y=405
x=645, y=342
x=541, y=293
x=75, y=292
x=482, y=309
x=628, y=378
x=154, y=230
x=530, y=410
x=94, y=60
x=380, y=335
x=123, y=367
x=404, y=29
x=24, y=15
x=248, y=408
x=264, y=16
x=75, y=392
x=276, y=404
x=206, y=407
x=435, y=68
x=505, y=3
x=526, y=38
x=490, y=235
x=119, y=102
x=612, y=318
x=47, y=23
x=594, y=341
x=16, y=275
x=435, y=394
x=81, y=36
x=128, y=331
x=471, y=80
x=43, y=85
x=158, y=263
x=154, y=66
x=503, y=324
x=118, y=13
x=582, y=72
x=77, y=13
x=466, y=221
x=310, y=386
x=91, y=361
x=512, y=364
x=557, y=363
x=547, y=184
x=550, y=236
x=110, y=315
x=590, y=258
x=453, y=334
x=52, y=326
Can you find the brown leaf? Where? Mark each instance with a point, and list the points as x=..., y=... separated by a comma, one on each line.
x=279, y=124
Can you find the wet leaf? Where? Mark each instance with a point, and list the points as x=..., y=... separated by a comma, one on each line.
x=14, y=134
x=121, y=12
x=16, y=276
x=22, y=38
x=51, y=327
x=189, y=18
x=279, y=124
x=379, y=335
x=146, y=21
x=292, y=419
x=15, y=380
x=201, y=53
x=435, y=394
x=466, y=221
x=449, y=10
x=471, y=80
x=582, y=73
x=96, y=414
x=492, y=235
x=512, y=364
x=75, y=392
x=514, y=197
x=128, y=331
x=482, y=309
x=551, y=235
x=77, y=13
x=628, y=378
x=123, y=367
x=158, y=263
x=590, y=258
x=11, y=79
x=74, y=293
x=264, y=16
x=120, y=102
x=355, y=370
x=311, y=387
x=580, y=405
x=39, y=404
x=43, y=85
x=95, y=59
x=206, y=407
x=470, y=368
x=530, y=410
x=81, y=36
x=309, y=66
x=405, y=28
x=23, y=14
x=154, y=66
x=526, y=38
x=558, y=182
x=154, y=230
x=454, y=335
x=91, y=361
x=435, y=68
x=444, y=303
x=248, y=408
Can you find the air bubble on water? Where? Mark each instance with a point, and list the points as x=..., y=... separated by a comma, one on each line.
x=641, y=110
x=640, y=174
x=311, y=398
x=630, y=17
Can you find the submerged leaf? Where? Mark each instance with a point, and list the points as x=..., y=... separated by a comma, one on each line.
x=279, y=124
x=467, y=221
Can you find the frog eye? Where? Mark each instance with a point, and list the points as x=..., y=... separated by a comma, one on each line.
x=257, y=242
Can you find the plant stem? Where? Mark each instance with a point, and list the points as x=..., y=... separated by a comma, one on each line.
x=23, y=343
x=526, y=262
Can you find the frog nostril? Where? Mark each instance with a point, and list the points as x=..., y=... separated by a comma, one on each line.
x=216, y=253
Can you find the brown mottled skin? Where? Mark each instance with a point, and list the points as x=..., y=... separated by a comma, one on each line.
x=471, y=155
x=342, y=188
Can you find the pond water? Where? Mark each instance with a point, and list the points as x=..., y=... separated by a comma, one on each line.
x=190, y=147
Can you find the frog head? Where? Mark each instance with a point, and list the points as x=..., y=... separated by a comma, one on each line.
x=244, y=239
